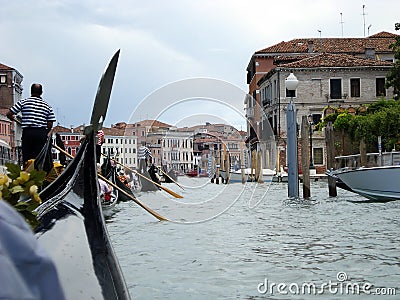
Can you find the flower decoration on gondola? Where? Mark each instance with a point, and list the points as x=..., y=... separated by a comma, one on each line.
x=21, y=190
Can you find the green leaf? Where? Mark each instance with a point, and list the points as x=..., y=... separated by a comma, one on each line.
x=14, y=170
x=32, y=205
x=38, y=177
x=21, y=205
x=16, y=189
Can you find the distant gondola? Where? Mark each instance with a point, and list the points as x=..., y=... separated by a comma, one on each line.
x=147, y=185
x=170, y=177
x=109, y=202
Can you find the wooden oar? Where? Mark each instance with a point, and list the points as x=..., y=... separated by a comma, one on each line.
x=158, y=216
x=149, y=210
x=176, y=195
x=169, y=177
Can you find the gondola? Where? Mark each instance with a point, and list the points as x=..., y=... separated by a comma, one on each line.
x=147, y=185
x=122, y=197
x=170, y=176
x=72, y=227
x=72, y=230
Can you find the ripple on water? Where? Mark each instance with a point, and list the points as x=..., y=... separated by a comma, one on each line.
x=282, y=240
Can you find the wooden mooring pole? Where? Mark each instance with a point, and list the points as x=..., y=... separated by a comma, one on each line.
x=330, y=157
x=227, y=166
x=305, y=156
x=218, y=166
x=242, y=163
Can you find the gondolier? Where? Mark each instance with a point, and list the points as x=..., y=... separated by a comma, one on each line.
x=144, y=157
x=37, y=120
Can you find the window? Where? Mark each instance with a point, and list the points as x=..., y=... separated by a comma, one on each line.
x=380, y=87
x=3, y=78
x=316, y=118
x=267, y=96
x=355, y=87
x=290, y=93
x=318, y=156
x=336, y=88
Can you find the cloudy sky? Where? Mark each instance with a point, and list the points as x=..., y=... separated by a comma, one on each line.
x=66, y=44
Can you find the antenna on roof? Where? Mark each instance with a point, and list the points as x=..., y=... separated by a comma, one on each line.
x=320, y=41
x=364, y=17
x=341, y=22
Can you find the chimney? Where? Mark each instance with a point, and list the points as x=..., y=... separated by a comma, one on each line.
x=310, y=46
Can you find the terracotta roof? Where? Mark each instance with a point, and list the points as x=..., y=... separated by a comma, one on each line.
x=380, y=42
x=383, y=34
x=334, y=60
x=290, y=58
x=153, y=123
x=119, y=125
x=114, y=131
x=60, y=128
x=107, y=131
x=4, y=67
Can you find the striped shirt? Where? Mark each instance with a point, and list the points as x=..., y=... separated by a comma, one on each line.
x=143, y=152
x=100, y=137
x=35, y=112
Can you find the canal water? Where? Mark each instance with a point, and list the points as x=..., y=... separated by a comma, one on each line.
x=252, y=242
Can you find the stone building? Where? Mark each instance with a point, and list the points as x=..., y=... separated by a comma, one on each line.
x=324, y=79
x=265, y=107
x=121, y=147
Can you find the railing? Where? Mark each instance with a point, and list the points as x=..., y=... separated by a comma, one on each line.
x=373, y=160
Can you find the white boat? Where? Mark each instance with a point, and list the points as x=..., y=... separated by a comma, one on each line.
x=376, y=183
x=281, y=176
x=236, y=175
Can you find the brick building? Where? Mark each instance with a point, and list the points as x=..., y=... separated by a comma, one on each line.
x=10, y=93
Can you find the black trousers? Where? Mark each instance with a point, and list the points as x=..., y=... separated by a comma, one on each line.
x=33, y=140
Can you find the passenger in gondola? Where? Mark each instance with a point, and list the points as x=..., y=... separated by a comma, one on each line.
x=136, y=183
x=153, y=171
x=123, y=178
x=104, y=188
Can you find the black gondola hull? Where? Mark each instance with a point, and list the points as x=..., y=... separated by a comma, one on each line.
x=73, y=231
